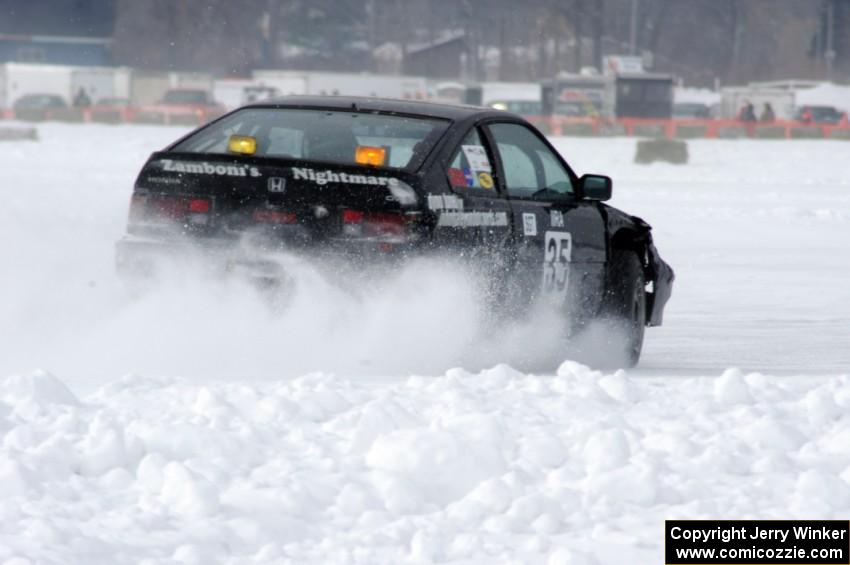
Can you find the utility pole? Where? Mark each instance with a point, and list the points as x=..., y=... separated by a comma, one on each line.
x=829, y=54
x=598, y=15
x=633, y=28
x=578, y=26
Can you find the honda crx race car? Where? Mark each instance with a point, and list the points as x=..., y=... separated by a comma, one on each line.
x=365, y=181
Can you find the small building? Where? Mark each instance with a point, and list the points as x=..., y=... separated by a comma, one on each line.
x=643, y=95
x=57, y=32
x=443, y=58
x=55, y=49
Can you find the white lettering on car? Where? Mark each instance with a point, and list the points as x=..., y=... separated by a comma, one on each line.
x=557, y=256
x=439, y=202
x=556, y=218
x=451, y=219
x=327, y=176
x=529, y=224
x=204, y=168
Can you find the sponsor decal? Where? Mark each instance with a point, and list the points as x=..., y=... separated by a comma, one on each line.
x=556, y=218
x=439, y=202
x=529, y=224
x=557, y=256
x=204, y=168
x=277, y=185
x=456, y=177
x=472, y=219
x=164, y=180
x=476, y=156
x=485, y=180
x=468, y=177
x=324, y=177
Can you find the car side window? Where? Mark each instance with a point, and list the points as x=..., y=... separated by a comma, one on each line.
x=531, y=169
x=471, y=166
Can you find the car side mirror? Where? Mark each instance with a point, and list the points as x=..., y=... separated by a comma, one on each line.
x=595, y=187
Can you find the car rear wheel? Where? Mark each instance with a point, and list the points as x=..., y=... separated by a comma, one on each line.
x=624, y=307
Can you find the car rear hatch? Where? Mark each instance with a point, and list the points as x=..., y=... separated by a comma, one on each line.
x=290, y=202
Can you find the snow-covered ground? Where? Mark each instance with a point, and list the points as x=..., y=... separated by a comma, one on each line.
x=198, y=425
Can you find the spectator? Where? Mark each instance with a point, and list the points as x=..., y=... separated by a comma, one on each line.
x=82, y=100
x=747, y=113
x=768, y=115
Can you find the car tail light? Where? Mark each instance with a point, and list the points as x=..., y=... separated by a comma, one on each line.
x=377, y=224
x=275, y=217
x=352, y=217
x=166, y=207
x=174, y=208
x=199, y=205
x=199, y=211
x=374, y=224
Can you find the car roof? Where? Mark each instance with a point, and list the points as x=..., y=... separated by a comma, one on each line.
x=455, y=112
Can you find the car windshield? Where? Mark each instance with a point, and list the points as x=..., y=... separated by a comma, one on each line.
x=329, y=136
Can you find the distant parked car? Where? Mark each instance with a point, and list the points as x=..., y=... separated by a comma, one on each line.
x=114, y=102
x=40, y=102
x=819, y=115
x=691, y=110
x=188, y=98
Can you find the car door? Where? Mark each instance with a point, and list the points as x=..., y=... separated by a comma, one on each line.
x=559, y=238
x=473, y=216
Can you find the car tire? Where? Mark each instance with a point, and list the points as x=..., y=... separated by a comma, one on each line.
x=624, y=307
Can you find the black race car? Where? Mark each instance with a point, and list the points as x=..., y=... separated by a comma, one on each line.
x=366, y=180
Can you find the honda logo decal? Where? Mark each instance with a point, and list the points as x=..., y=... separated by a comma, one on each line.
x=277, y=185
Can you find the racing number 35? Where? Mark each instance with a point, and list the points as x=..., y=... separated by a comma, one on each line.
x=556, y=263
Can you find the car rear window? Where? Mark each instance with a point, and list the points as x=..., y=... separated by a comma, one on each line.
x=329, y=136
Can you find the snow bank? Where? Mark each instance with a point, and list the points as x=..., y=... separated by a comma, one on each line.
x=578, y=467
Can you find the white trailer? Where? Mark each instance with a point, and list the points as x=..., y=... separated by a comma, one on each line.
x=148, y=87
x=232, y=93
x=352, y=84
x=509, y=91
x=193, y=81
x=343, y=84
x=101, y=82
x=285, y=82
x=19, y=79
x=734, y=98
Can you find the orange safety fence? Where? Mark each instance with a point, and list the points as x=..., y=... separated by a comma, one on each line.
x=680, y=128
x=683, y=128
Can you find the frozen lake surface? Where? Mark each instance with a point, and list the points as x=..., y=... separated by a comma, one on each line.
x=195, y=425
